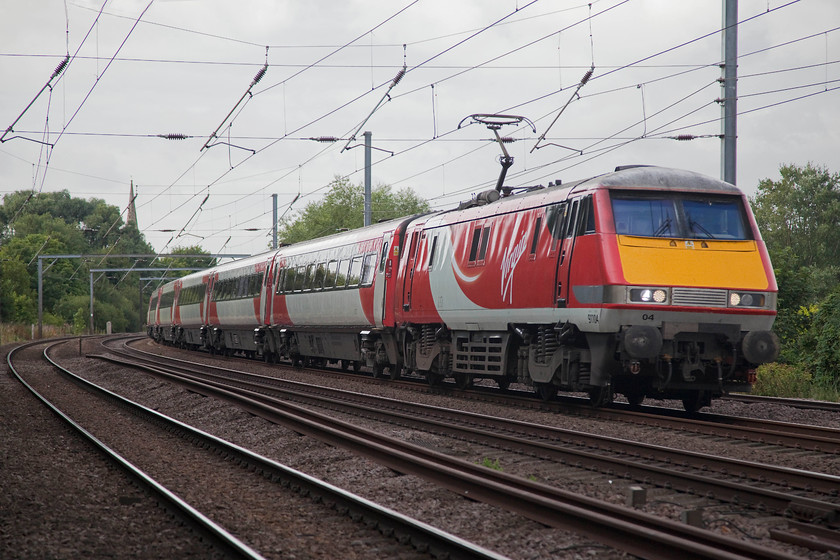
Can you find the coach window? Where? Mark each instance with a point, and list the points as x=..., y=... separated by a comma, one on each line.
x=289, y=280
x=343, y=271
x=300, y=274
x=329, y=280
x=278, y=281
x=384, y=257
x=368, y=266
x=355, y=271
x=320, y=273
x=307, y=281
x=167, y=299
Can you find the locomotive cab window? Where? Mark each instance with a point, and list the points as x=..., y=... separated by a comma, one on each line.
x=680, y=216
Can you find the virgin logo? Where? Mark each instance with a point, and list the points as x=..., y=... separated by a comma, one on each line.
x=510, y=259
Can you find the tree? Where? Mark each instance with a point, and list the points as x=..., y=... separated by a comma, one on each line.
x=799, y=219
x=801, y=212
x=33, y=224
x=343, y=208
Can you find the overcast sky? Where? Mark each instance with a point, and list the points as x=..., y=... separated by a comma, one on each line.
x=187, y=67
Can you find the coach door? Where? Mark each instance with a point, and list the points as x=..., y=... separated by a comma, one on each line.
x=384, y=269
x=408, y=278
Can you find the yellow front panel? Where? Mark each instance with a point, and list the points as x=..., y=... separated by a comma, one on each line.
x=691, y=262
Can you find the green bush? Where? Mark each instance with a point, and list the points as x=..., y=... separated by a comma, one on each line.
x=782, y=380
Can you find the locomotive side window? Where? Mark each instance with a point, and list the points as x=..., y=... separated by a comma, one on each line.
x=485, y=238
x=432, y=252
x=536, y=239
x=587, y=221
x=478, y=246
x=474, y=245
x=694, y=217
x=555, y=217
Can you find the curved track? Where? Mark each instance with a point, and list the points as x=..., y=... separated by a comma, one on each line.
x=278, y=408
x=170, y=456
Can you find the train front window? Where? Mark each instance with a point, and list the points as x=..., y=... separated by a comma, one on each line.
x=715, y=219
x=679, y=216
x=645, y=217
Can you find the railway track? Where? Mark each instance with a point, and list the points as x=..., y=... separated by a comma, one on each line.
x=445, y=421
x=795, y=403
x=228, y=481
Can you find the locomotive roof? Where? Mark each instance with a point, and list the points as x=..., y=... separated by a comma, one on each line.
x=652, y=177
x=631, y=177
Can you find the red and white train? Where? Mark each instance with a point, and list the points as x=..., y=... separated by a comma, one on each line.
x=646, y=281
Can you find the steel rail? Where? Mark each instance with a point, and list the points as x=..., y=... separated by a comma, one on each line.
x=635, y=532
x=229, y=543
x=374, y=406
x=403, y=528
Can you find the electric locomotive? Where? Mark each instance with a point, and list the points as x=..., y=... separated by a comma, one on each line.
x=649, y=282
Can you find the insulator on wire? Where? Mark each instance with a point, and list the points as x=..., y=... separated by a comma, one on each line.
x=173, y=136
x=259, y=75
x=587, y=76
x=684, y=137
x=325, y=139
x=61, y=66
x=398, y=77
x=507, y=140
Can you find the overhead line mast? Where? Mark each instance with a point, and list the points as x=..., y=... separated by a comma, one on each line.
x=729, y=85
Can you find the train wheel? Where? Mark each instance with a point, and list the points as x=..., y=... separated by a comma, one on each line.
x=504, y=383
x=546, y=391
x=394, y=371
x=357, y=365
x=697, y=400
x=378, y=370
x=601, y=396
x=463, y=380
x=433, y=379
x=635, y=397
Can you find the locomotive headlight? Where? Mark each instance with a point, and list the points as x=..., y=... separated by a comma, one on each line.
x=746, y=299
x=648, y=295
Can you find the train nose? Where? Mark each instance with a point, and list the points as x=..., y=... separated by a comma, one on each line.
x=642, y=342
x=760, y=347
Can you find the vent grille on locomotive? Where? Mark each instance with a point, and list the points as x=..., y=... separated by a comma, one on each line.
x=699, y=296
